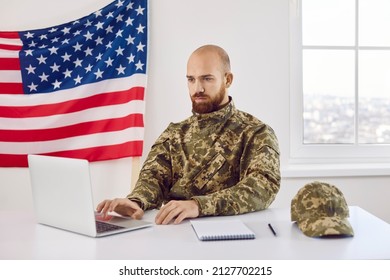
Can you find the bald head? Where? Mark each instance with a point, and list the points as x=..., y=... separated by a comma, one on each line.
x=214, y=50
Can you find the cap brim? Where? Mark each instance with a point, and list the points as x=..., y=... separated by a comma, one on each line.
x=326, y=226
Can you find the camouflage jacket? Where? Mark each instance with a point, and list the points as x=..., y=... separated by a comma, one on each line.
x=228, y=161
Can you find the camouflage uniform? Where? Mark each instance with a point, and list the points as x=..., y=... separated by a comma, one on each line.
x=228, y=161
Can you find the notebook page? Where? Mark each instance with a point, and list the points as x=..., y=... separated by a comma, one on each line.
x=221, y=230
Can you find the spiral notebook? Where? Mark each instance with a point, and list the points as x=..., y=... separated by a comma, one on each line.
x=212, y=230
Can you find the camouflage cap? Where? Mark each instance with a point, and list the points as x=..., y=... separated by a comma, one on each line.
x=320, y=209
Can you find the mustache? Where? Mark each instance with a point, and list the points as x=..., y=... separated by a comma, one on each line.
x=199, y=94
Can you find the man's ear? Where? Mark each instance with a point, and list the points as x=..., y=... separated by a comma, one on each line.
x=228, y=79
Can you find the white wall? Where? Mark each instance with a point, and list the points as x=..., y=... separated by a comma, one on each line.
x=255, y=34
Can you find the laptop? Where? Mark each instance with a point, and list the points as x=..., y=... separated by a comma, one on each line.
x=62, y=198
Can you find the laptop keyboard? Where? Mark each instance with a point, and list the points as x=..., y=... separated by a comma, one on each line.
x=104, y=227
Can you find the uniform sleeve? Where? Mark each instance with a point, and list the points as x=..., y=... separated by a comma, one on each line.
x=259, y=179
x=155, y=175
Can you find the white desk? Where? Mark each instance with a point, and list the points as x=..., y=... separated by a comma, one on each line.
x=22, y=238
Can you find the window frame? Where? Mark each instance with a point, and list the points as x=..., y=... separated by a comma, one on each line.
x=373, y=158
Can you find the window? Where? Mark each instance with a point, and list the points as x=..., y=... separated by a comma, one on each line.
x=340, y=81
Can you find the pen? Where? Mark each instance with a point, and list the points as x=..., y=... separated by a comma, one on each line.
x=272, y=229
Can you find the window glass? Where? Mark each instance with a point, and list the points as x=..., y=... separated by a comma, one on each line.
x=330, y=22
x=329, y=96
x=374, y=96
x=374, y=22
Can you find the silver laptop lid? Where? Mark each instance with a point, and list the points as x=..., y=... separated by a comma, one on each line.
x=62, y=193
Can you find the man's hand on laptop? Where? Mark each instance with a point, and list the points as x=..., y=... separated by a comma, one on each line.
x=122, y=206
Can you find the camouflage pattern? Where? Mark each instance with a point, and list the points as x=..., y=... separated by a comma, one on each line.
x=228, y=161
x=320, y=209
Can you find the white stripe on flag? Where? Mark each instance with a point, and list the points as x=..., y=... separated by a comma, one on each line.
x=105, y=86
x=11, y=42
x=73, y=143
x=9, y=53
x=10, y=77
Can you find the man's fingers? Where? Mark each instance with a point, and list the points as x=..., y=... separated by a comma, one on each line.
x=122, y=206
x=180, y=218
x=103, y=206
x=137, y=215
x=161, y=217
x=171, y=211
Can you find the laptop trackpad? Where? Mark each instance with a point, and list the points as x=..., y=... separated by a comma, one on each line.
x=121, y=221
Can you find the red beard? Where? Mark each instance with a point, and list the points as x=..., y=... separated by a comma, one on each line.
x=208, y=104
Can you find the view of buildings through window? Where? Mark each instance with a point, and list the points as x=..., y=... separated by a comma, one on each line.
x=346, y=71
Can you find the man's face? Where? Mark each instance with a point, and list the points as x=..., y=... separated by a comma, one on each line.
x=206, y=82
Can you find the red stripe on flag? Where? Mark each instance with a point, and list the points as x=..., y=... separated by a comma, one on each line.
x=9, y=34
x=128, y=149
x=9, y=63
x=11, y=88
x=100, y=100
x=107, y=125
x=10, y=47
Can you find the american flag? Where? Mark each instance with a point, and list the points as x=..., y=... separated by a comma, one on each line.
x=76, y=89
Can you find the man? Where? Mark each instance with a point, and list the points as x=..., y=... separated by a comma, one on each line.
x=219, y=161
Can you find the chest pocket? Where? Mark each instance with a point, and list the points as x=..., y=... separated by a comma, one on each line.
x=209, y=171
